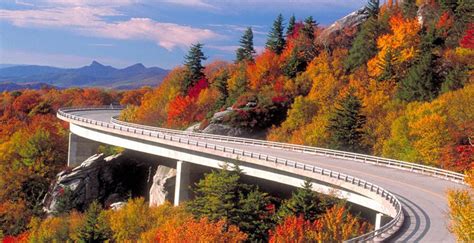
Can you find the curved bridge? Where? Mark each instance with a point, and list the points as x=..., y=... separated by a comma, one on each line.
x=410, y=197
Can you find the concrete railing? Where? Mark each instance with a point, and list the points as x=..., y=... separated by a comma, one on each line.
x=392, y=163
x=383, y=232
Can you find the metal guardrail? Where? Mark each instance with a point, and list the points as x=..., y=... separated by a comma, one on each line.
x=398, y=164
x=383, y=232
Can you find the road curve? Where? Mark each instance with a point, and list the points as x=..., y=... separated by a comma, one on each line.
x=423, y=197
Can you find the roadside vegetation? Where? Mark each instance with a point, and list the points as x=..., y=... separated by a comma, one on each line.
x=225, y=209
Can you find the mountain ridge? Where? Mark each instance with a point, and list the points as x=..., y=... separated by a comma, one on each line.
x=92, y=75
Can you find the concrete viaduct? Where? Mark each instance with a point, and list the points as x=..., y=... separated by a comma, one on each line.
x=410, y=199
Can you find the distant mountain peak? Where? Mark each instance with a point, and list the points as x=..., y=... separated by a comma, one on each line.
x=138, y=65
x=96, y=63
x=94, y=74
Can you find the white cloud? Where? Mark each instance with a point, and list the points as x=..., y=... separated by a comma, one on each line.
x=22, y=3
x=167, y=35
x=57, y=17
x=89, y=20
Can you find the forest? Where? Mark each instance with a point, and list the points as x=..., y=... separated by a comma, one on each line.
x=399, y=85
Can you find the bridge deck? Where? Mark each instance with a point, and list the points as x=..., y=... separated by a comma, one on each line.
x=423, y=197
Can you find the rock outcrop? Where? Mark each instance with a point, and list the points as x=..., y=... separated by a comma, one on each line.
x=110, y=180
x=351, y=20
x=163, y=185
x=218, y=127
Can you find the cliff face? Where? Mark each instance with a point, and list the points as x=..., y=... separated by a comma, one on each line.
x=112, y=180
x=352, y=20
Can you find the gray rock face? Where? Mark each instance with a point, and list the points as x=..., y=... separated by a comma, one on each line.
x=163, y=185
x=353, y=19
x=106, y=179
x=226, y=130
x=218, y=128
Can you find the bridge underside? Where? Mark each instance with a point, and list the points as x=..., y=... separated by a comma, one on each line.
x=86, y=138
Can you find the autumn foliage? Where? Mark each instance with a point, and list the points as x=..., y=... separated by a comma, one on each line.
x=33, y=147
x=201, y=230
x=337, y=224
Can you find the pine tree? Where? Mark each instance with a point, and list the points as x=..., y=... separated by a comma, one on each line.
x=254, y=217
x=276, y=40
x=455, y=79
x=409, y=8
x=308, y=28
x=95, y=227
x=246, y=51
x=222, y=195
x=364, y=46
x=464, y=15
x=220, y=83
x=450, y=5
x=346, y=123
x=65, y=202
x=422, y=83
x=306, y=202
x=387, y=66
x=291, y=26
x=193, y=64
x=293, y=64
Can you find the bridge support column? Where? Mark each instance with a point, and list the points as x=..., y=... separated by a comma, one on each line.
x=80, y=149
x=378, y=220
x=181, y=192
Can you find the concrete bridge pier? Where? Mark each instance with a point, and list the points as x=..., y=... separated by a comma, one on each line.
x=181, y=192
x=80, y=149
x=378, y=220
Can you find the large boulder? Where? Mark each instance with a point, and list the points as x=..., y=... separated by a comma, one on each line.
x=217, y=126
x=163, y=185
x=108, y=180
x=351, y=20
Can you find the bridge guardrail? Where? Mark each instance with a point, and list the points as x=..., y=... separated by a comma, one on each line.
x=398, y=164
x=383, y=232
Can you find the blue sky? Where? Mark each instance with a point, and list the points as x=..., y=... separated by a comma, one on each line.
x=72, y=33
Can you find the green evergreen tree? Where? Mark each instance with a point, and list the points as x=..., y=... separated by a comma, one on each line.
x=387, y=66
x=422, y=83
x=193, y=64
x=464, y=15
x=308, y=28
x=306, y=202
x=220, y=83
x=449, y=5
x=222, y=195
x=240, y=86
x=364, y=46
x=455, y=79
x=294, y=64
x=276, y=40
x=95, y=227
x=409, y=8
x=346, y=124
x=419, y=83
x=291, y=25
x=246, y=51
x=65, y=202
x=254, y=217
